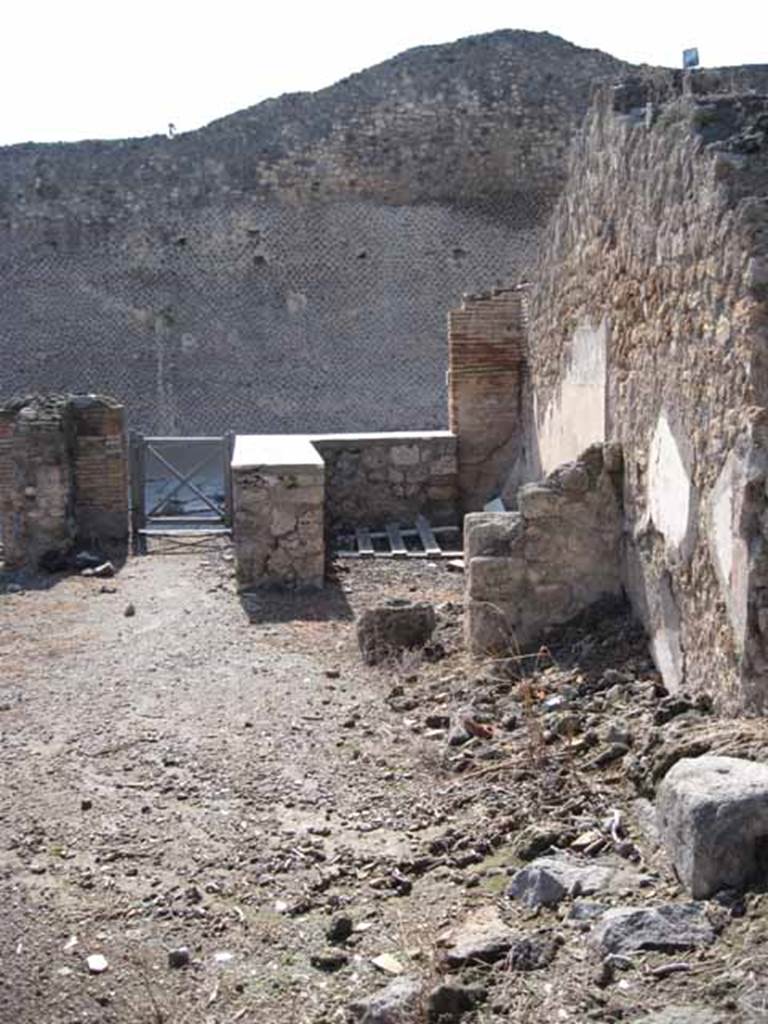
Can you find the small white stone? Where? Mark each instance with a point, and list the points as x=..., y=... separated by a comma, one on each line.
x=97, y=963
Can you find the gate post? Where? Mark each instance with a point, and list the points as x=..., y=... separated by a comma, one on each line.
x=138, y=490
x=229, y=448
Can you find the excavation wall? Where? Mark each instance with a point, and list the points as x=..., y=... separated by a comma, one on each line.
x=288, y=268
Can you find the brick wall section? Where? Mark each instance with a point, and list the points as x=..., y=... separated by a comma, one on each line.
x=62, y=476
x=486, y=370
x=7, y=426
x=101, y=470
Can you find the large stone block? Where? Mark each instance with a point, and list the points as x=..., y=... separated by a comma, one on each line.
x=497, y=534
x=713, y=818
x=500, y=579
x=385, y=631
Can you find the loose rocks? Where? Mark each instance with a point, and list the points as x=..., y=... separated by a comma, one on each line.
x=682, y=1015
x=669, y=929
x=394, y=1004
x=399, y=625
x=548, y=880
x=339, y=929
x=329, y=960
x=451, y=999
x=179, y=957
x=713, y=818
x=482, y=938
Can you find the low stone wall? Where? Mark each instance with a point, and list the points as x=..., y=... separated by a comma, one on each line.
x=374, y=478
x=292, y=490
x=63, y=477
x=554, y=557
x=278, y=488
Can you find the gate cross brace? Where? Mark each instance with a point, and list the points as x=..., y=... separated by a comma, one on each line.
x=183, y=480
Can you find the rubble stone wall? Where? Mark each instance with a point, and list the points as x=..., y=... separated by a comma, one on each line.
x=648, y=325
x=543, y=564
x=278, y=495
x=63, y=476
x=371, y=479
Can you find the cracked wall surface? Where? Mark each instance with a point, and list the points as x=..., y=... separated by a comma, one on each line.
x=660, y=242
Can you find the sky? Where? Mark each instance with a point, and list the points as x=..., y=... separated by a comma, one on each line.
x=74, y=69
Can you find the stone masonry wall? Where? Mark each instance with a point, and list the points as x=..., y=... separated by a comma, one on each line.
x=486, y=366
x=63, y=477
x=542, y=565
x=649, y=319
x=278, y=522
x=371, y=479
x=287, y=268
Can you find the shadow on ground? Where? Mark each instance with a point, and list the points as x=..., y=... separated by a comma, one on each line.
x=56, y=566
x=326, y=605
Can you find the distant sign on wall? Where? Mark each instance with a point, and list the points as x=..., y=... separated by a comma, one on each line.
x=691, y=58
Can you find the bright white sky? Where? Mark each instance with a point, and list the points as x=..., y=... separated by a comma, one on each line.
x=73, y=69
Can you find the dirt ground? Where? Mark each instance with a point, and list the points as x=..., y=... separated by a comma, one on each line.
x=227, y=776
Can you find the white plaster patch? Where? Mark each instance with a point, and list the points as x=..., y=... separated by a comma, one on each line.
x=666, y=648
x=727, y=546
x=670, y=494
x=575, y=417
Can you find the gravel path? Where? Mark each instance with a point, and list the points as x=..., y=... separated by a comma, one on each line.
x=223, y=785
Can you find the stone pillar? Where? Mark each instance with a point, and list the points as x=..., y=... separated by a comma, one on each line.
x=100, y=470
x=63, y=478
x=486, y=360
x=36, y=507
x=278, y=486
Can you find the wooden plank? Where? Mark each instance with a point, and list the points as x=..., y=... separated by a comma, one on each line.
x=396, y=541
x=364, y=545
x=427, y=537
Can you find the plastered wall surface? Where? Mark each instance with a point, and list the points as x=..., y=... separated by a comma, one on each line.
x=574, y=417
x=662, y=236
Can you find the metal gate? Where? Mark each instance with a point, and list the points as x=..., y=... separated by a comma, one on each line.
x=180, y=486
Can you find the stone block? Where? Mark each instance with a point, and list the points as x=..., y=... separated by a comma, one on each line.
x=387, y=630
x=713, y=819
x=497, y=534
x=537, y=502
x=404, y=455
x=497, y=579
x=669, y=928
x=492, y=628
x=549, y=880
